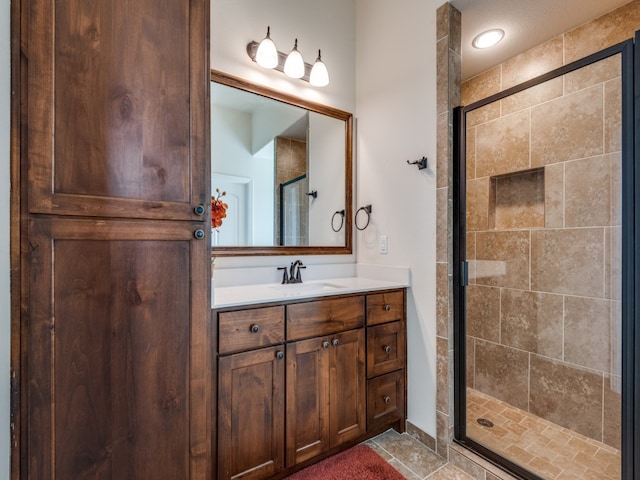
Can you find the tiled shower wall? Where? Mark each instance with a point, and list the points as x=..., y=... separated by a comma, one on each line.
x=543, y=223
x=291, y=162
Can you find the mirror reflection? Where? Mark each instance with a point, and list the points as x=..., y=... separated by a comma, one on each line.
x=284, y=170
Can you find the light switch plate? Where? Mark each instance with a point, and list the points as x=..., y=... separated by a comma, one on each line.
x=383, y=244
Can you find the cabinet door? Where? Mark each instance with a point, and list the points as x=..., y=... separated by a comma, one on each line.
x=117, y=351
x=118, y=108
x=307, y=399
x=347, y=386
x=251, y=414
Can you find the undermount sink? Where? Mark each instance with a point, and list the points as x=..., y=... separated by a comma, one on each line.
x=294, y=288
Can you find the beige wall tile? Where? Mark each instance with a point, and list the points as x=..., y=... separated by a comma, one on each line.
x=519, y=200
x=588, y=333
x=443, y=233
x=442, y=21
x=502, y=145
x=471, y=153
x=616, y=188
x=587, y=192
x=478, y=204
x=501, y=372
x=613, y=263
x=554, y=195
x=532, y=321
x=593, y=74
x=613, y=116
x=442, y=85
x=602, y=32
x=442, y=300
x=567, y=128
x=533, y=96
x=443, y=145
x=566, y=395
x=483, y=312
x=612, y=428
x=471, y=256
x=481, y=86
x=483, y=114
x=532, y=63
x=442, y=374
x=471, y=362
x=503, y=259
x=568, y=261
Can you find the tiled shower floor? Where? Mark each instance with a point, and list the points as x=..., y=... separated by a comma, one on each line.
x=543, y=447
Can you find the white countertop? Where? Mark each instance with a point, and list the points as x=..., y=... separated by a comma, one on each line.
x=275, y=292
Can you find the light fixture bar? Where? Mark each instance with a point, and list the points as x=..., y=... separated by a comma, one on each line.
x=252, y=48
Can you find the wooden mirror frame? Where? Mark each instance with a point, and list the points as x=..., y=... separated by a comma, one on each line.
x=228, y=251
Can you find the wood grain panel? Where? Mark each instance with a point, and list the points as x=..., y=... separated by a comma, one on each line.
x=385, y=400
x=117, y=377
x=307, y=399
x=386, y=347
x=251, y=414
x=236, y=329
x=118, y=108
x=324, y=317
x=385, y=307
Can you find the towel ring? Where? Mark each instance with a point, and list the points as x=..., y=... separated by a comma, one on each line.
x=367, y=210
x=341, y=213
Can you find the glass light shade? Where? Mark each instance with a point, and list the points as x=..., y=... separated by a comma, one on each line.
x=488, y=39
x=294, y=65
x=267, y=54
x=319, y=76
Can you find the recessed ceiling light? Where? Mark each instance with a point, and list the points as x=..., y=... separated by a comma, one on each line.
x=488, y=39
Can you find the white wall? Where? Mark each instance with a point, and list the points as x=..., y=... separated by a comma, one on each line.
x=5, y=185
x=326, y=24
x=396, y=111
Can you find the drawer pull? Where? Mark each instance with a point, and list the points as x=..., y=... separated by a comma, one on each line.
x=325, y=344
x=387, y=399
x=387, y=349
x=387, y=308
x=335, y=342
x=255, y=328
x=279, y=355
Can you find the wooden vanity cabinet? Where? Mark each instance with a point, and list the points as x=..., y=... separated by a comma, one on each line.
x=337, y=385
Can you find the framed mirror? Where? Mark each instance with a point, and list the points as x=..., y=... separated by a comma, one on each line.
x=281, y=172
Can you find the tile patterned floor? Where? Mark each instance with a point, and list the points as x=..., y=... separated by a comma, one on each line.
x=412, y=459
x=543, y=447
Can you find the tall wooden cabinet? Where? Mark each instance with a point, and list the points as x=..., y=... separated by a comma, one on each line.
x=114, y=174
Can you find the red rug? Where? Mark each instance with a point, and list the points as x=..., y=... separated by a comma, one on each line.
x=357, y=463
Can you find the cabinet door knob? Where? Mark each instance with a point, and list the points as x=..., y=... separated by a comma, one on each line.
x=335, y=342
x=387, y=308
x=199, y=234
x=279, y=355
x=387, y=348
x=387, y=400
x=255, y=328
x=198, y=210
x=325, y=344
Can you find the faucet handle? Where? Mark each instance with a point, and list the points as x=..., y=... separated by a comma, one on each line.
x=285, y=277
x=298, y=276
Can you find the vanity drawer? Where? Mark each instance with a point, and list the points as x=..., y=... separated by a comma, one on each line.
x=249, y=329
x=385, y=307
x=323, y=317
x=385, y=348
x=385, y=399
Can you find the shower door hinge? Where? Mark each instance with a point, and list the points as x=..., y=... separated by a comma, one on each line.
x=465, y=273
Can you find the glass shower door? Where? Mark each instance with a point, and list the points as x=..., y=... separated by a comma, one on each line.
x=543, y=303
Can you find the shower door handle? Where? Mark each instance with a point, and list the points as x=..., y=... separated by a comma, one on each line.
x=464, y=270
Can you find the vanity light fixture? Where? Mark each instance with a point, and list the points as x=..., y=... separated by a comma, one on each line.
x=488, y=38
x=266, y=55
x=294, y=64
x=319, y=74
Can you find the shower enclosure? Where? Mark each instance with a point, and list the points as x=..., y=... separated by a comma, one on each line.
x=543, y=228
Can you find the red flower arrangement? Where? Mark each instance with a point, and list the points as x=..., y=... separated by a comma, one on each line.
x=218, y=209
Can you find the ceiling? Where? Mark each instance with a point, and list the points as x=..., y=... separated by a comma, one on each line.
x=526, y=23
